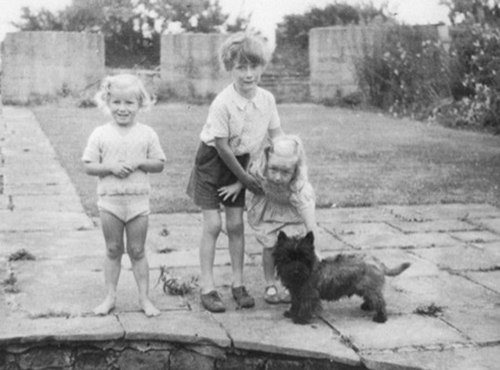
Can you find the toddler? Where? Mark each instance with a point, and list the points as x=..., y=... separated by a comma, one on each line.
x=121, y=153
x=286, y=204
x=239, y=119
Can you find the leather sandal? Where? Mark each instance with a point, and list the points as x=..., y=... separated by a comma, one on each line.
x=271, y=295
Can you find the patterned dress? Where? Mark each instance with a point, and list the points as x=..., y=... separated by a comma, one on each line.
x=279, y=209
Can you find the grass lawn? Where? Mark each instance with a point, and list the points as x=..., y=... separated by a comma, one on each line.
x=355, y=158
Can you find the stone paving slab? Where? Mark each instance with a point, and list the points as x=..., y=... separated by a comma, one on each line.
x=463, y=257
x=183, y=327
x=41, y=221
x=60, y=329
x=492, y=224
x=49, y=287
x=391, y=240
x=444, y=290
x=493, y=247
x=476, y=323
x=269, y=331
x=488, y=279
x=359, y=214
x=442, y=211
x=397, y=332
x=482, y=236
x=474, y=358
x=432, y=226
x=50, y=244
x=361, y=228
x=52, y=203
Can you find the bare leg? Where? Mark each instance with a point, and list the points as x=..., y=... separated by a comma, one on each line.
x=236, y=236
x=211, y=230
x=136, y=230
x=112, y=228
x=268, y=265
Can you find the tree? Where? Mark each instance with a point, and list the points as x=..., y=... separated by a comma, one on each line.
x=132, y=28
x=473, y=11
x=295, y=27
x=292, y=36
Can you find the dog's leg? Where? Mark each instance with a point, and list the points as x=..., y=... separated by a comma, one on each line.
x=308, y=304
x=292, y=311
x=366, y=305
x=377, y=303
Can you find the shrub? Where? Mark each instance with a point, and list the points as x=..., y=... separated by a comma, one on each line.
x=475, y=69
x=405, y=73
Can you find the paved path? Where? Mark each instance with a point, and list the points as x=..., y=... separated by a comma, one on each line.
x=444, y=312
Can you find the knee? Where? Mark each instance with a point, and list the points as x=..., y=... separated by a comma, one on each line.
x=212, y=228
x=136, y=253
x=235, y=227
x=114, y=251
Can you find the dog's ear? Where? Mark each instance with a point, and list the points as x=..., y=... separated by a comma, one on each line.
x=309, y=237
x=281, y=236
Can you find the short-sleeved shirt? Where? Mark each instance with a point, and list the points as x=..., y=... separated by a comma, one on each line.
x=244, y=122
x=107, y=145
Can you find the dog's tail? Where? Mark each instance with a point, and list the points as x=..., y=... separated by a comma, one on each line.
x=396, y=270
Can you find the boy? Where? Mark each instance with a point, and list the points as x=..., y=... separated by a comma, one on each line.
x=239, y=119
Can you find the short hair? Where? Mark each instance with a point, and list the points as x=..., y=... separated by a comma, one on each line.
x=284, y=146
x=243, y=48
x=123, y=81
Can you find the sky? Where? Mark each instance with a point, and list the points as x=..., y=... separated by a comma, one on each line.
x=265, y=13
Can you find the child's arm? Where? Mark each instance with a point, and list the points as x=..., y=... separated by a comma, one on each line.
x=150, y=165
x=118, y=169
x=308, y=214
x=305, y=203
x=276, y=132
x=227, y=155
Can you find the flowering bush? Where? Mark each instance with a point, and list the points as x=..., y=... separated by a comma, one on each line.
x=412, y=74
x=407, y=74
x=475, y=66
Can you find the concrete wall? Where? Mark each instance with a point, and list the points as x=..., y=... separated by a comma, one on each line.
x=190, y=67
x=334, y=52
x=40, y=65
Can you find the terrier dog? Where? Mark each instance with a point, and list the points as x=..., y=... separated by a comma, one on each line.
x=310, y=280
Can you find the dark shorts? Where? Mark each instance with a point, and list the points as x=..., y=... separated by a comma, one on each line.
x=209, y=174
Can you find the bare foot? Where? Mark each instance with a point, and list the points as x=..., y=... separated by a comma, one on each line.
x=149, y=309
x=105, y=307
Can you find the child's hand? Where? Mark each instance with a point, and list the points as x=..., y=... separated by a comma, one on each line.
x=231, y=191
x=252, y=184
x=122, y=170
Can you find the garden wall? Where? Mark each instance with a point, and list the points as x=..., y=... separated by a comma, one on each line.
x=190, y=67
x=40, y=65
x=335, y=51
x=190, y=70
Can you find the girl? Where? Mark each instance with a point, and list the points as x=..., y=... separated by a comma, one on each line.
x=121, y=153
x=238, y=121
x=287, y=202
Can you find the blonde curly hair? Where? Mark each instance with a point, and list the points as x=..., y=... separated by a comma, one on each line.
x=123, y=81
x=287, y=146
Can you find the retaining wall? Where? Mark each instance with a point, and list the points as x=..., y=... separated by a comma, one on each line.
x=151, y=355
x=39, y=65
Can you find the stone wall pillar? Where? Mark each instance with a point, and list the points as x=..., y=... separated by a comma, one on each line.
x=190, y=67
x=40, y=65
x=335, y=51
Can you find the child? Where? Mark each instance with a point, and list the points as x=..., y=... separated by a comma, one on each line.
x=239, y=119
x=287, y=203
x=121, y=153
